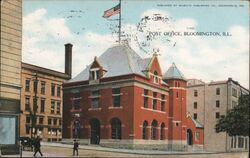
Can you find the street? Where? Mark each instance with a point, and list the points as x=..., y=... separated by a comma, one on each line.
x=59, y=151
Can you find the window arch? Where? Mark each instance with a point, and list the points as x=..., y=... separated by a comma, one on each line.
x=162, y=133
x=116, y=128
x=153, y=129
x=144, y=130
x=156, y=77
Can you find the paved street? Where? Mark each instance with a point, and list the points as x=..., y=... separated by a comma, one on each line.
x=92, y=151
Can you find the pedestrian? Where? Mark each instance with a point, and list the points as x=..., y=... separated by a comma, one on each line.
x=75, y=147
x=37, y=146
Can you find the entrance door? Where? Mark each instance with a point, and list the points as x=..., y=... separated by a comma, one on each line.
x=95, y=131
x=189, y=137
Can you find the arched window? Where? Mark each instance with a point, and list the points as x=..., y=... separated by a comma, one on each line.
x=153, y=129
x=144, y=130
x=162, y=133
x=94, y=131
x=116, y=129
x=156, y=77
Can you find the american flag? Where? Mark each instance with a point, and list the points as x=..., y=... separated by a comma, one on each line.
x=112, y=11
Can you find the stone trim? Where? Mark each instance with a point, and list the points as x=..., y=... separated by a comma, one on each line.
x=153, y=110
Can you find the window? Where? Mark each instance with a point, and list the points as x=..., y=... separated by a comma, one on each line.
x=232, y=140
x=162, y=102
x=154, y=100
x=76, y=101
x=27, y=85
x=195, y=116
x=52, y=89
x=95, y=74
x=177, y=95
x=76, y=104
x=27, y=103
x=246, y=143
x=217, y=115
x=95, y=93
x=156, y=79
x=35, y=86
x=42, y=87
x=58, y=107
x=95, y=103
x=49, y=121
x=176, y=124
x=42, y=105
x=60, y=122
x=116, y=96
x=162, y=131
x=27, y=129
x=234, y=92
x=195, y=105
x=115, y=128
x=40, y=120
x=55, y=122
x=58, y=91
x=195, y=93
x=217, y=103
x=144, y=130
x=234, y=103
x=153, y=129
x=240, y=142
x=145, y=98
x=197, y=136
x=27, y=119
x=217, y=91
x=52, y=109
x=162, y=106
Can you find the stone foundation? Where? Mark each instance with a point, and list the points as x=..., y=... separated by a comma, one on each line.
x=163, y=145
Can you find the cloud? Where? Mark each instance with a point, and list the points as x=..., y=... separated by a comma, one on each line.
x=205, y=58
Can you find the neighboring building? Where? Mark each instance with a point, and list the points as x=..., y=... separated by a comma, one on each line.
x=120, y=100
x=10, y=71
x=206, y=102
x=43, y=86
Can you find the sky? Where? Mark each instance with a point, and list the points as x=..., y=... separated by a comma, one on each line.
x=49, y=24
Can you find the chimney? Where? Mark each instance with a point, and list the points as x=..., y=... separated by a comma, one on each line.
x=68, y=59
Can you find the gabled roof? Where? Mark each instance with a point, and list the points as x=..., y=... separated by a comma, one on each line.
x=118, y=60
x=196, y=123
x=173, y=73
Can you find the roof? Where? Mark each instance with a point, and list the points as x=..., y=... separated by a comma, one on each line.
x=173, y=73
x=196, y=123
x=45, y=71
x=117, y=60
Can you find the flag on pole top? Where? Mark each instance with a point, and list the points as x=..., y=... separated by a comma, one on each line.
x=110, y=12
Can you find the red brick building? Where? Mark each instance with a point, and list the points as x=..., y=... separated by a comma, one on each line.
x=123, y=100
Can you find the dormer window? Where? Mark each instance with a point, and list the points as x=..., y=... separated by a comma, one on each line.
x=156, y=78
x=95, y=74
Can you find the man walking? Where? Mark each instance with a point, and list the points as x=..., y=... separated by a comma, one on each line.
x=37, y=146
x=75, y=147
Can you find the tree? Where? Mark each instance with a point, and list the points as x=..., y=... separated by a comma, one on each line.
x=236, y=122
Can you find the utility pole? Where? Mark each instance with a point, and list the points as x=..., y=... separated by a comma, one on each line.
x=33, y=113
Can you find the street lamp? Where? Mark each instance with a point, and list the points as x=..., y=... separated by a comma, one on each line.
x=33, y=113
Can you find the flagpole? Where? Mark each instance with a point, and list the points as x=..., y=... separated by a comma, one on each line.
x=120, y=21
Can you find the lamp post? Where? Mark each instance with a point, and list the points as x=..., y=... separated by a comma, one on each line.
x=33, y=113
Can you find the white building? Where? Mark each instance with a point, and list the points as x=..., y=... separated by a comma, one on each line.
x=206, y=102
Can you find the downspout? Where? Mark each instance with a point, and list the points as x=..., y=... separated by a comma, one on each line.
x=226, y=112
x=204, y=116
